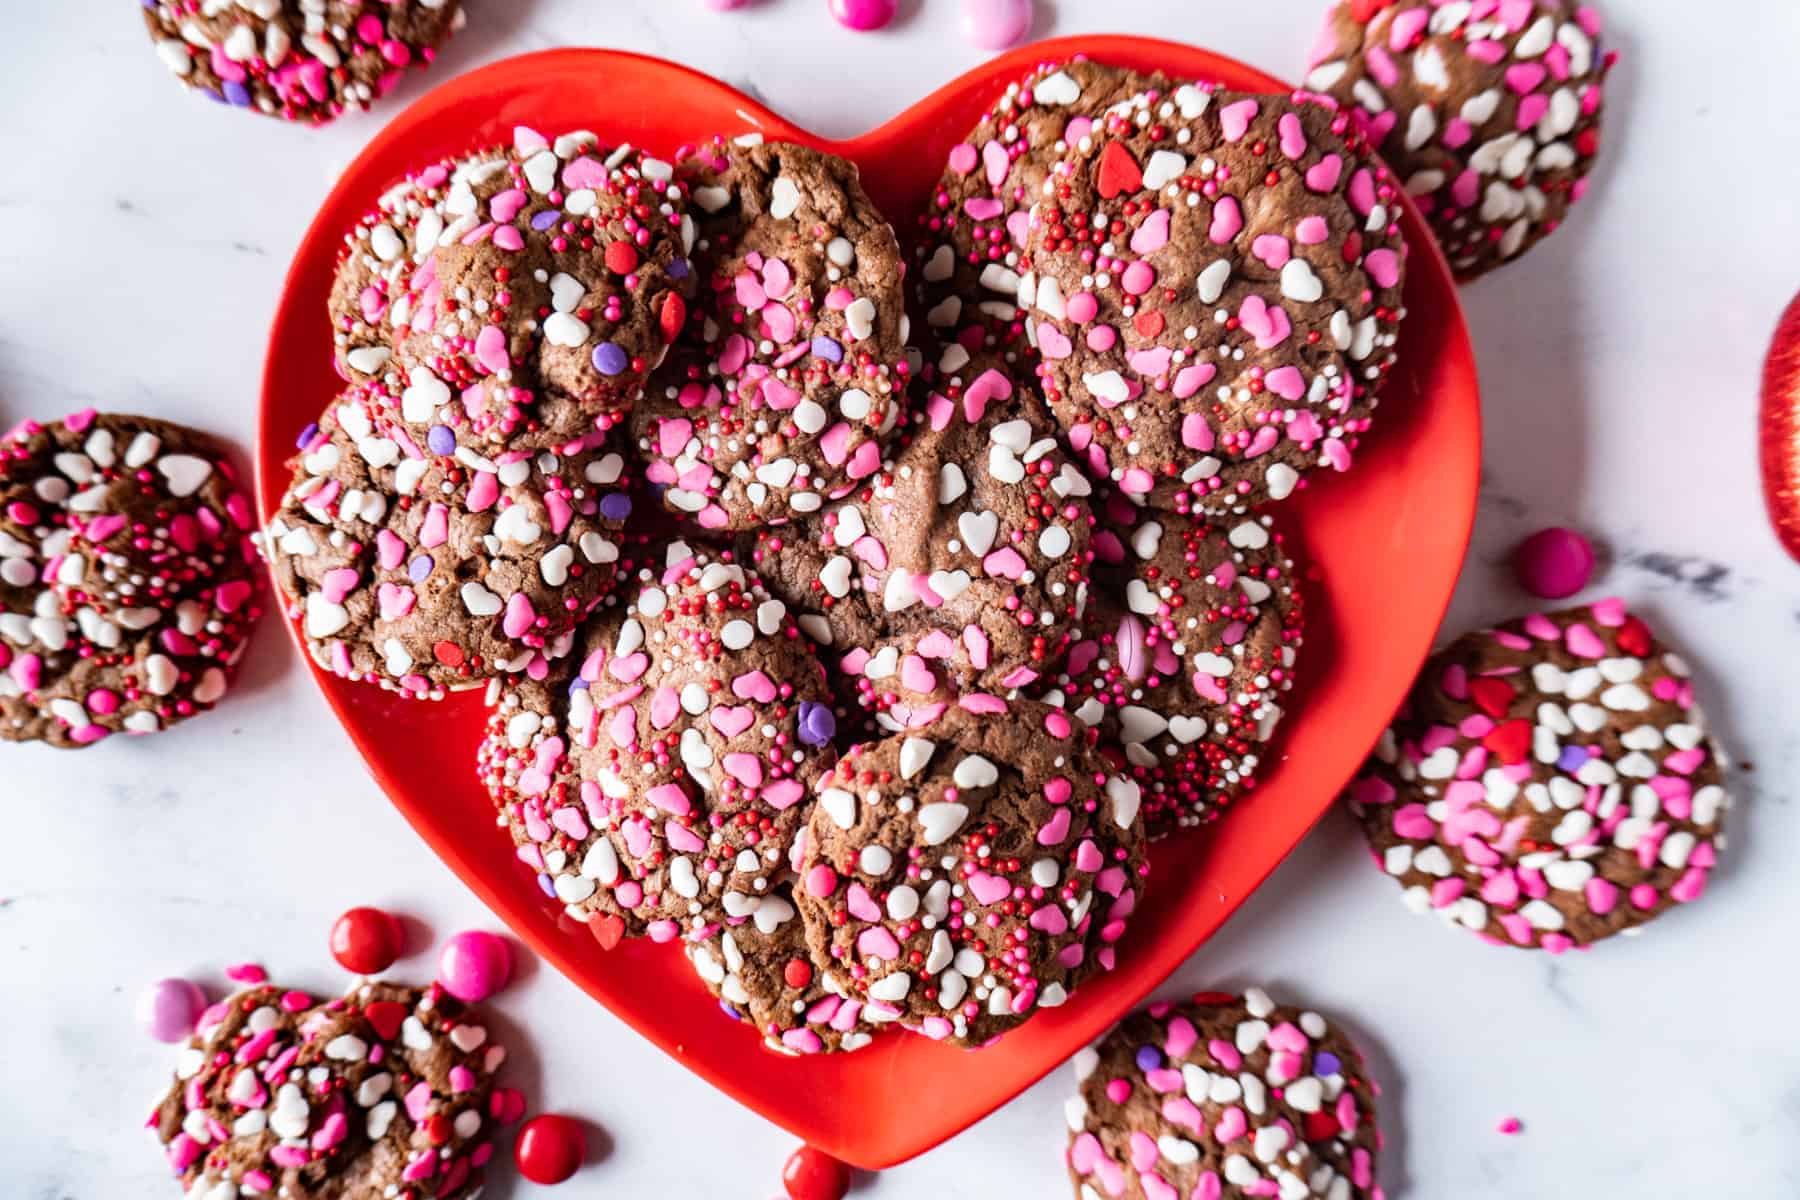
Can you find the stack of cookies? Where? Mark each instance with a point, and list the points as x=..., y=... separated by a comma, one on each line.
x=861, y=653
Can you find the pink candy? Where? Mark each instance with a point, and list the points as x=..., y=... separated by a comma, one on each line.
x=474, y=964
x=863, y=14
x=1554, y=563
x=996, y=24
x=168, y=1009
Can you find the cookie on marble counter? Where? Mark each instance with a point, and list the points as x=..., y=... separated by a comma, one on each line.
x=1214, y=285
x=515, y=298
x=1224, y=1098
x=962, y=568
x=970, y=241
x=1549, y=782
x=430, y=574
x=762, y=973
x=970, y=872
x=793, y=369
x=660, y=779
x=300, y=60
x=384, y=1092
x=1489, y=112
x=128, y=582
x=1193, y=630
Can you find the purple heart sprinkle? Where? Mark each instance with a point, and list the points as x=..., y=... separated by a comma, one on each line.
x=307, y=435
x=544, y=220
x=825, y=348
x=1326, y=1063
x=441, y=440
x=615, y=507
x=678, y=268
x=419, y=568
x=238, y=94
x=1573, y=758
x=1149, y=1058
x=817, y=724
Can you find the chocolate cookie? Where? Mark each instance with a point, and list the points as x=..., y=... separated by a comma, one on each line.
x=423, y=575
x=963, y=569
x=386, y=1092
x=300, y=60
x=1549, y=782
x=127, y=577
x=1216, y=283
x=1489, y=112
x=793, y=369
x=516, y=298
x=971, y=238
x=1223, y=1098
x=970, y=872
x=659, y=780
x=1193, y=631
x=762, y=973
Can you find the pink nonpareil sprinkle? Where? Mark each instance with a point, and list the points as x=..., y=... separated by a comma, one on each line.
x=1511, y=1126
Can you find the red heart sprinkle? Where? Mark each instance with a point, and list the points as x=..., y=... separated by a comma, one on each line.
x=1353, y=246
x=1510, y=741
x=1363, y=11
x=1119, y=172
x=386, y=1016
x=448, y=653
x=607, y=930
x=1148, y=323
x=1321, y=1127
x=1634, y=637
x=1492, y=696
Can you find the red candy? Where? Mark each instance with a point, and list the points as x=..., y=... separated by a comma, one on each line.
x=1780, y=433
x=814, y=1175
x=549, y=1148
x=366, y=940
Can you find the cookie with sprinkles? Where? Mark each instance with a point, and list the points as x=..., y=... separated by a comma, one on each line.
x=763, y=974
x=1193, y=631
x=970, y=241
x=1214, y=281
x=661, y=779
x=1488, y=110
x=429, y=574
x=128, y=581
x=388, y=1091
x=1223, y=1098
x=962, y=568
x=516, y=297
x=1549, y=782
x=300, y=60
x=794, y=368
x=971, y=872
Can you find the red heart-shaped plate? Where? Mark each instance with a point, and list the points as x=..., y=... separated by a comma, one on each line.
x=1387, y=542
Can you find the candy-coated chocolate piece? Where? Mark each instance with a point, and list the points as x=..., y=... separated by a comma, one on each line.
x=863, y=14
x=811, y=1174
x=996, y=24
x=474, y=964
x=366, y=940
x=1554, y=563
x=549, y=1148
x=168, y=1008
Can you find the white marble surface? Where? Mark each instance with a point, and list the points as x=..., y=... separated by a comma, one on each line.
x=143, y=235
